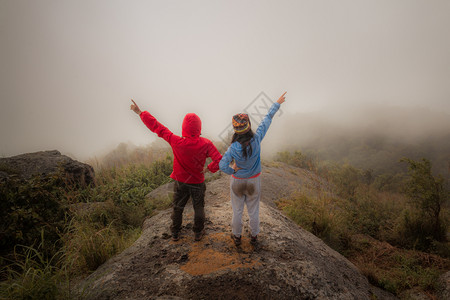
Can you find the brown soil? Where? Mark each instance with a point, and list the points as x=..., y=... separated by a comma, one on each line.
x=217, y=252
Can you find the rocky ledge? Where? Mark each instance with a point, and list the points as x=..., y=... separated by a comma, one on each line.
x=288, y=262
x=45, y=163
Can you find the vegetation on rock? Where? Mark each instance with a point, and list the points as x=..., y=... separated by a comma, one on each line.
x=53, y=232
x=397, y=239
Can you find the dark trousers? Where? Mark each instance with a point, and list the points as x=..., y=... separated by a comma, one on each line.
x=182, y=193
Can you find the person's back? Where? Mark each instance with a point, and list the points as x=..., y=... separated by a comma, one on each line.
x=249, y=165
x=245, y=151
x=190, y=150
x=190, y=153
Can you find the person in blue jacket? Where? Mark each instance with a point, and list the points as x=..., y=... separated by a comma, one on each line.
x=242, y=161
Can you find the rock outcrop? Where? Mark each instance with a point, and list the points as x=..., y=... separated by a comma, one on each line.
x=288, y=262
x=45, y=163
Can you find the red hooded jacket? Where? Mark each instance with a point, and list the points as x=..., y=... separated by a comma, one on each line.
x=190, y=150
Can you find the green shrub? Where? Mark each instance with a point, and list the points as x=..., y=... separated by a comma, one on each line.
x=321, y=216
x=129, y=184
x=423, y=222
x=346, y=179
x=371, y=212
x=77, y=241
x=297, y=159
x=389, y=182
x=29, y=208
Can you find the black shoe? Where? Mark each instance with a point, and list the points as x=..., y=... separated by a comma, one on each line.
x=175, y=236
x=254, y=240
x=199, y=235
x=236, y=240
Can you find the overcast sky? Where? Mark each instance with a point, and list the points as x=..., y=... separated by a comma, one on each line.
x=69, y=68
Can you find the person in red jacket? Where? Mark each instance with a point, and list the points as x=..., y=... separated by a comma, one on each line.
x=190, y=152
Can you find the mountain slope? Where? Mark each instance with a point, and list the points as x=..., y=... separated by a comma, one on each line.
x=288, y=263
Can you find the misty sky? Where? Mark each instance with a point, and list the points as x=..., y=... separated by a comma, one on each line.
x=69, y=68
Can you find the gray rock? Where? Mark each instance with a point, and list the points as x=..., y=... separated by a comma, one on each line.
x=288, y=262
x=162, y=192
x=444, y=283
x=45, y=163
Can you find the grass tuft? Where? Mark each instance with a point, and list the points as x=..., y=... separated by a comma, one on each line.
x=32, y=276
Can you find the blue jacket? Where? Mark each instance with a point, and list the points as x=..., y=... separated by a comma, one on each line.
x=250, y=166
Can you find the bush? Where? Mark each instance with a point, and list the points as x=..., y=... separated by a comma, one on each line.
x=297, y=159
x=389, y=182
x=423, y=223
x=128, y=185
x=79, y=238
x=346, y=179
x=321, y=216
x=29, y=209
x=371, y=212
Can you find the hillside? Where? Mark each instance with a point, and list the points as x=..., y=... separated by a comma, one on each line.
x=288, y=263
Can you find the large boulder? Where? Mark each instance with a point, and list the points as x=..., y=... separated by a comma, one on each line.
x=45, y=163
x=288, y=263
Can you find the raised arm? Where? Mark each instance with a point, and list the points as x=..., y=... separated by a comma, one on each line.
x=265, y=123
x=153, y=124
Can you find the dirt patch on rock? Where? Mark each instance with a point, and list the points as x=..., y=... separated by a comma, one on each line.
x=217, y=252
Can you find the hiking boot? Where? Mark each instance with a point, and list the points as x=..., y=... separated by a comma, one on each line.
x=236, y=240
x=199, y=235
x=175, y=236
x=254, y=240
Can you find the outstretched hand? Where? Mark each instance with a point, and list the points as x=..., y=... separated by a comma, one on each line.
x=282, y=98
x=134, y=107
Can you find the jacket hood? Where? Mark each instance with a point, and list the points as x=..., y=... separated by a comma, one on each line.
x=192, y=125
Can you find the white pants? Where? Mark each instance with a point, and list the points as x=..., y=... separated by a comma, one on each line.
x=245, y=191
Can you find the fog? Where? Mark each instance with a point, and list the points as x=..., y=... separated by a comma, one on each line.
x=69, y=69
x=402, y=126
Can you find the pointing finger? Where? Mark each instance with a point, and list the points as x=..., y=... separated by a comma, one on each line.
x=283, y=94
x=133, y=102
